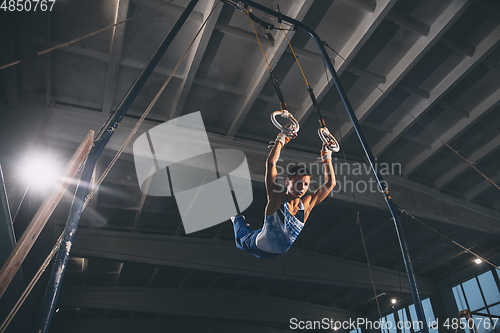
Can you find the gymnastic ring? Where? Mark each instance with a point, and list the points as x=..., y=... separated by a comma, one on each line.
x=288, y=130
x=328, y=138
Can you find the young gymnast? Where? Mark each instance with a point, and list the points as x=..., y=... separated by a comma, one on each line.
x=286, y=212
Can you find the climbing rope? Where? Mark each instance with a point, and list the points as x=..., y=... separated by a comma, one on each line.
x=290, y=129
x=448, y=238
x=327, y=138
x=323, y=132
x=358, y=220
x=145, y=114
x=421, y=124
x=31, y=285
x=54, y=250
x=81, y=37
x=400, y=209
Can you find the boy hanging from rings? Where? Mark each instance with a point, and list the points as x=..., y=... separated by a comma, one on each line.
x=286, y=212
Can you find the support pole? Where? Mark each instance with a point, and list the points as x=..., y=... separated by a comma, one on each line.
x=39, y=220
x=382, y=184
x=61, y=260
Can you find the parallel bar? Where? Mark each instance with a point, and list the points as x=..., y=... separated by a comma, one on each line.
x=61, y=260
x=402, y=241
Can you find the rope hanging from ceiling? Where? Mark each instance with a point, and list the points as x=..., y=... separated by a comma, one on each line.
x=268, y=27
x=323, y=132
x=54, y=250
x=325, y=137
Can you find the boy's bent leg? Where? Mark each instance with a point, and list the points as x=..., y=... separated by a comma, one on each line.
x=239, y=226
x=240, y=229
x=248, y=244
x=245, y=238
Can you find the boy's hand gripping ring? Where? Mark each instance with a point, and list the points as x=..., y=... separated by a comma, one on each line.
x=328, y=139
x=289, y=130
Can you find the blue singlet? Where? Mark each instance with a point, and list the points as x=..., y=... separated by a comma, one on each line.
x=280, y=229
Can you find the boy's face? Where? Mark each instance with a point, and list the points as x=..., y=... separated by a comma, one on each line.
x=297, y=185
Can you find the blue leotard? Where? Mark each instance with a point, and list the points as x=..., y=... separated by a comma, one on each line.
x=280, y=229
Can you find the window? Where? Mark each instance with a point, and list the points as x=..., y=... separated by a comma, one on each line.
x=407, y=321
x=481, y=295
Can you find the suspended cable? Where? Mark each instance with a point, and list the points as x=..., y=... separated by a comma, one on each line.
x=401, y=298
x=290, y=129
x=323, y=126
x=258, y=40
x=358, y=220
x=145, y=114
x=368, y=263
x=243, y=8
x=294, y=55
x=81, y=37
x=274, y=81
x=274, y=18
x=31, y=285
x=400, y=209
x=448, y=238
x=21, y=203
x=323, y=132
x=420, y=123
x=453, y=274
x=37, y=276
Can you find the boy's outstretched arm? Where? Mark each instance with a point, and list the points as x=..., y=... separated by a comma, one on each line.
x=274, y=190
x=272, y=187
x=322, y=192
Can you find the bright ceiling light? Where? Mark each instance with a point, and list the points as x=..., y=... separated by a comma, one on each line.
x=478, y=261
x=41, y=171
x=393, y=301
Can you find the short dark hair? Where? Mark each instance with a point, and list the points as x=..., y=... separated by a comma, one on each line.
x=298, y=170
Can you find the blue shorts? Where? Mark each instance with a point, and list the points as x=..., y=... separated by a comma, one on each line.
x=245, y=239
